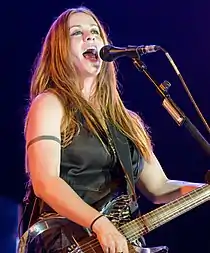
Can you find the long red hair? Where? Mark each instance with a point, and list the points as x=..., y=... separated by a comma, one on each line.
x=54, y=72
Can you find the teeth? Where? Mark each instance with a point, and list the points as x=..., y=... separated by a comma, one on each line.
x=91, y=48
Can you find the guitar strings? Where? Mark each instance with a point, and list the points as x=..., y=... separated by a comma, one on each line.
x=96, y=243
x=136, y=231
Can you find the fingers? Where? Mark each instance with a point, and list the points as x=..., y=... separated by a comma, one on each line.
x=108, y=244
x=121, y=245
x=110, y=239
x=114, y=244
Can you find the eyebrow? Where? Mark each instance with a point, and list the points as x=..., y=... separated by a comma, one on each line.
x=81, y=26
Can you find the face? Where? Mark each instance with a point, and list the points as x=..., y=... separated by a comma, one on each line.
x=85, y=44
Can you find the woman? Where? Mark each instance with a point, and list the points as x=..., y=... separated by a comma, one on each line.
x=70, y=154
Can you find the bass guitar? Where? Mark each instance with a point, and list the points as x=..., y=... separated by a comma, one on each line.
x=117, y=211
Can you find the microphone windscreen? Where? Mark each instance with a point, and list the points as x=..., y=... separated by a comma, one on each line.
x=105, y=54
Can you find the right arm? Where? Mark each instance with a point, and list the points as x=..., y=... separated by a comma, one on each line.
x=43, y=157
x=44, y=162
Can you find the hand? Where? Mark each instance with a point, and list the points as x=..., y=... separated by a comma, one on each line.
x=110, y=239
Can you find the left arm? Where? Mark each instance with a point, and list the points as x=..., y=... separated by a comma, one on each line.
x=155, y=185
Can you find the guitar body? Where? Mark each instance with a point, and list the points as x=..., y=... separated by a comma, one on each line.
x=53, y=233
x=52, y=230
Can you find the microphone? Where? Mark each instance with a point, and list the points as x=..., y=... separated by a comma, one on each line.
x=110, y=53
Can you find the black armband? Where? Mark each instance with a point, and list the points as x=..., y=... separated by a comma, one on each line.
x=43, y=137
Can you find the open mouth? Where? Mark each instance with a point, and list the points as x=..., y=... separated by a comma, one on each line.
x=91, y=54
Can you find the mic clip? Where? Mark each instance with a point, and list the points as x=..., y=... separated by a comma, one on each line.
x=164, y=86
x=140, y=65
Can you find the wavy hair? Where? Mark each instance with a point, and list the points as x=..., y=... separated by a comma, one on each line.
x=54, y=72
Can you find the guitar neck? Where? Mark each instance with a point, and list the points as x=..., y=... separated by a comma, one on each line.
x=146, y=223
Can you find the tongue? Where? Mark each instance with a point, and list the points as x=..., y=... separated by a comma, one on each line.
x=90, y=57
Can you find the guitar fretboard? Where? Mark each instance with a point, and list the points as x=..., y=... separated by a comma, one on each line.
x=165, y=213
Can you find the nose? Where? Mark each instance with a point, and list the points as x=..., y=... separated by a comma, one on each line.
x=89, y=37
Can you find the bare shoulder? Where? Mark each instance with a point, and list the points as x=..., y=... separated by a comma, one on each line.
x=46, y=102
x=44, y=116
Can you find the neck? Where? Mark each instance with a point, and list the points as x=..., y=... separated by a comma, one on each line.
x=88, y=85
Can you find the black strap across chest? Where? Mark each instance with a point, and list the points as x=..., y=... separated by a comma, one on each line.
x=123, y=152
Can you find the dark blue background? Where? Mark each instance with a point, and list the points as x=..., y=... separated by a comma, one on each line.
x=182, y=27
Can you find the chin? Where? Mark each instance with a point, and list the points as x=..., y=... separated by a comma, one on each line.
x=93, y=71
x=92, y=74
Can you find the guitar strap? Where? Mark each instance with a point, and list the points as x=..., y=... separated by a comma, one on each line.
x=122, y=148
x=123, y=152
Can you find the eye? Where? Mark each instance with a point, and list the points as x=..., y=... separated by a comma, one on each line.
x=95, y=31
x=76, y=33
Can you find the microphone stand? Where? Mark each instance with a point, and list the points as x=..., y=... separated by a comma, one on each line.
x=176, y=113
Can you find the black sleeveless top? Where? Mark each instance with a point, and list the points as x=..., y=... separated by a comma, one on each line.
x=92, y=171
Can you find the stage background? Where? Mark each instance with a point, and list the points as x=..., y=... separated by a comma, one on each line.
x=181, y=27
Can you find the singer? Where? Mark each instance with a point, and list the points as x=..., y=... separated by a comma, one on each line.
x=72, y=161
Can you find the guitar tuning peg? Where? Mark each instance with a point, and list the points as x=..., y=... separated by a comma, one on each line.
x=207, y=177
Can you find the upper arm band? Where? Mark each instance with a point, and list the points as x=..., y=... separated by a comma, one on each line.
x=43, y=137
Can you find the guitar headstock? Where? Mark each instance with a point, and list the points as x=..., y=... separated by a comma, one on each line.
x=207, y=177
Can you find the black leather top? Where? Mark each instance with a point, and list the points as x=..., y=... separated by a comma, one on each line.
x=92, y=171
